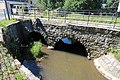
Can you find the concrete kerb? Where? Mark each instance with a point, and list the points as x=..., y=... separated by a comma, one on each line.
x=26, y=71
x=102, y=70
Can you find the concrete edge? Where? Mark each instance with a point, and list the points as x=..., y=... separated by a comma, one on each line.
x=26, y=71
x=102, y=71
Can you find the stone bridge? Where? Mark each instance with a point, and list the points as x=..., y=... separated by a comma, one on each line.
x=96, y=40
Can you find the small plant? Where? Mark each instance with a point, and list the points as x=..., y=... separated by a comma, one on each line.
x=116, y=52
x=117, y=55
x=35, y=48
x=19, y=76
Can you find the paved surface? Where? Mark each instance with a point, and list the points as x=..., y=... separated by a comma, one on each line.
x=2, y=16
x=80, y=23
x=108, y=66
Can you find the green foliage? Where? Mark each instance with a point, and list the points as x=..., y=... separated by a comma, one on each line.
x=117, y=55
x=41, y=4
x=91, y=4
x=68, y=4
x=116, y=52
x=74, y=4
x=19, y=76
x=4, y=23
x=112, y=4
x=35, y=48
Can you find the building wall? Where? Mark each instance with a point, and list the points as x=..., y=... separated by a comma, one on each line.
x=2, y=5
x=19, y=0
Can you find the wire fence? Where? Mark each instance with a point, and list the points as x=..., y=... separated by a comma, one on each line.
x=85, y=17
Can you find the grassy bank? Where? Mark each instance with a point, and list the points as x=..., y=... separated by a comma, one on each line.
x=4, y=23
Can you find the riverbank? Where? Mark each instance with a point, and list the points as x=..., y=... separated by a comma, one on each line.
x=108, y=66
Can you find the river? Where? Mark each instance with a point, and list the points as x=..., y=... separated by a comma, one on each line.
x=67, y=66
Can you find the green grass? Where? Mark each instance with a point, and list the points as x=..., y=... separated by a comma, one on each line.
x=80, y=17
x=4, y=23
x=117, y=55
x=116, y=52
x=19, y=76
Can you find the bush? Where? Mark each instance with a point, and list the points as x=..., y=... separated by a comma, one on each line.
x=35, y=48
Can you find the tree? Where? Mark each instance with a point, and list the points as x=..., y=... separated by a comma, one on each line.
x=41, y=4
x=92, y=4
x=56, y=3
x=112, y=5
x=77, y=5
x=67, y=4
x=82, y=4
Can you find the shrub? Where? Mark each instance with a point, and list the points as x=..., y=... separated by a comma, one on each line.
x=35, y=48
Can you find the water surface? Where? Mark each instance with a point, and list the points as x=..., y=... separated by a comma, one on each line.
x=67, y=66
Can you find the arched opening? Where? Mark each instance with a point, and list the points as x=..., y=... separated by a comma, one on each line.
x=31, y=37
x=72, y=47
x=35, y=36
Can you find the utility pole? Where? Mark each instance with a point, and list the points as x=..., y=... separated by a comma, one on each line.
x=7, y=9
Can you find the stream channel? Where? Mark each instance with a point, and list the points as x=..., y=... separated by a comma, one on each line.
x=61, y=65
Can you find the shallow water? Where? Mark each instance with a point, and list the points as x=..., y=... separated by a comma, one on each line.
x=67, y=66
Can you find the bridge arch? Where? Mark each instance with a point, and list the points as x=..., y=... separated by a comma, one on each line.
x=75, y=46
x=36, y=36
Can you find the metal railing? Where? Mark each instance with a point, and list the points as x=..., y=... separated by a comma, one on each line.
x=83, y=17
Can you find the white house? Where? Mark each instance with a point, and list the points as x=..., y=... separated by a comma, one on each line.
x=14, y=5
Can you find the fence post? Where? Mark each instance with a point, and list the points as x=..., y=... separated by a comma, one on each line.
x=5, y=14
x=83, y=14
x=113, y=16
x=115, y=19
x=88, y=18
x=34, y=13
x=22, y=13
x=65, y=16
x=48, y=15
